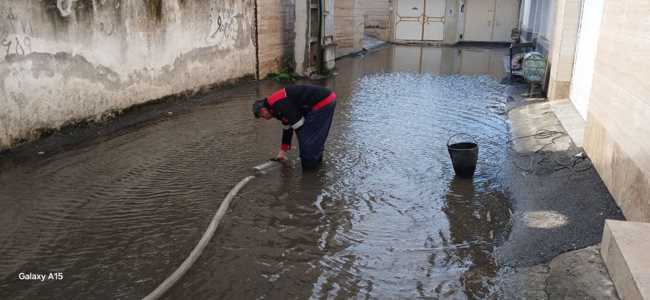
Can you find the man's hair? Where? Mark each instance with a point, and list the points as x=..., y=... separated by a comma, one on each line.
x=257, y=107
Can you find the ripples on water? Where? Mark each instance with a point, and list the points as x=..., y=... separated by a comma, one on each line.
x=415, y=229
x=384, y=218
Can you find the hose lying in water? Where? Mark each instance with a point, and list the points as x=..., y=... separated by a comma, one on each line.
x=198, y=249
x=209, y=233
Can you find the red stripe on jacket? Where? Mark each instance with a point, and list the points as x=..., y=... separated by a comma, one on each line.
x=324, y=102
x=277, y=96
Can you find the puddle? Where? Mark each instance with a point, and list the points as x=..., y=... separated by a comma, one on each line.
x=385, y=217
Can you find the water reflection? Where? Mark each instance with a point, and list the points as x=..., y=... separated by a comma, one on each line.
x=479, y=220
x=449, y=60
x=407, y=236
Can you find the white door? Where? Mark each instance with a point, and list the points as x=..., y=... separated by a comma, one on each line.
x=408, y=16
x=585, y=57
x=434, y=20
x=505, y=19
x=479, y=16
x=417, y=20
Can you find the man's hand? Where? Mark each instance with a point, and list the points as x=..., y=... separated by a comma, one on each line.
x=281, y=155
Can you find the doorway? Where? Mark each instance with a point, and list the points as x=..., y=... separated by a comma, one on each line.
x=490, y=20
x=420, y=20
x=585, y=55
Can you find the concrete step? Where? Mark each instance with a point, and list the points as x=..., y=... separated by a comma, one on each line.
x=570, y=119
x=626, y=251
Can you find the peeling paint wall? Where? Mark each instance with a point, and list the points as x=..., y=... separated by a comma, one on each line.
x=67, y=60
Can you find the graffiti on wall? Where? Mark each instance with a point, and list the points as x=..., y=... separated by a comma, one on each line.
x=65, y=7
x=224, y=26
x=15, y=34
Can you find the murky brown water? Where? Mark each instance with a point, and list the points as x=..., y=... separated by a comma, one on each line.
x=384, y=218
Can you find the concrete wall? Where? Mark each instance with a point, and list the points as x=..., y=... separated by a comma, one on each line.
x=452, y=19
x=377, y=16
x=277, y=32
x=617, y=132
x=348, y=26
x=65, y=60
x=563, y=46
x=301, y=34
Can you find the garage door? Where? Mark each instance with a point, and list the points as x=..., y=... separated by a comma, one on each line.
x=479, y=15
x=417, y=20
x=490, y=20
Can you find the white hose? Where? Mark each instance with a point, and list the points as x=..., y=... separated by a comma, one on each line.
x=198, y=249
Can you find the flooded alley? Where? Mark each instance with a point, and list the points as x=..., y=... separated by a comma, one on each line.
x=384, y=217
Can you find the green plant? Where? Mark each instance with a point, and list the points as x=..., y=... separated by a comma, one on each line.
x=286, y=73
x=283, y=76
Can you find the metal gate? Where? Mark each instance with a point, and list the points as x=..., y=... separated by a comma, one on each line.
x=420, y=20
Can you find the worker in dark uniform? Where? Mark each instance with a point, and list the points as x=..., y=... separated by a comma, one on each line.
x=306, y=109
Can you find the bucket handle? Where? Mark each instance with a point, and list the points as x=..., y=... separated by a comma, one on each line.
x=461, y=134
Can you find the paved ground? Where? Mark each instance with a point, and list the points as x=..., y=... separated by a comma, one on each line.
x=561, y=206
x=561, y=202
x=578, y=274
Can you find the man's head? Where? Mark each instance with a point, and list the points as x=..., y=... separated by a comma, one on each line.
x=260, y=110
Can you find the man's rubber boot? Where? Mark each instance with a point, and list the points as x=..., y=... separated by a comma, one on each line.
x=310, y=165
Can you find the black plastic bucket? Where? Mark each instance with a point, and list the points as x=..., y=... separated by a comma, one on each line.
x=464, y=156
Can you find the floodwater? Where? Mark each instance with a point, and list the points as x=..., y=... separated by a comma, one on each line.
x=383, y=218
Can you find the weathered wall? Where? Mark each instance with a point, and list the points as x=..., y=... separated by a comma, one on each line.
x=277, y=32
x=616, y=137
x=65, y=60
x=377, y=18
x=348, y=26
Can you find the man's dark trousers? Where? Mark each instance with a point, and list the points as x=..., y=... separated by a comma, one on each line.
x=313, y=134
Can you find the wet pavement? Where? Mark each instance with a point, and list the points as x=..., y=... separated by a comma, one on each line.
x=385, y=217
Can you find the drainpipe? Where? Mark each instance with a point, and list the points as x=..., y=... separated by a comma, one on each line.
x=257, y=43
x=327, y=34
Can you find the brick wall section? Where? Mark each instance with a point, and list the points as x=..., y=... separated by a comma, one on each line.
x=276, y=33
x=377, y=16
x=617, y=132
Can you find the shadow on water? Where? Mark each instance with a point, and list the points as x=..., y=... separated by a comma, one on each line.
x=384, y=218
x=479, y=221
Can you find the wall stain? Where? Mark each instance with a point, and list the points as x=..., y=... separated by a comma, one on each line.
x=155, y=9
x=105, y=27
